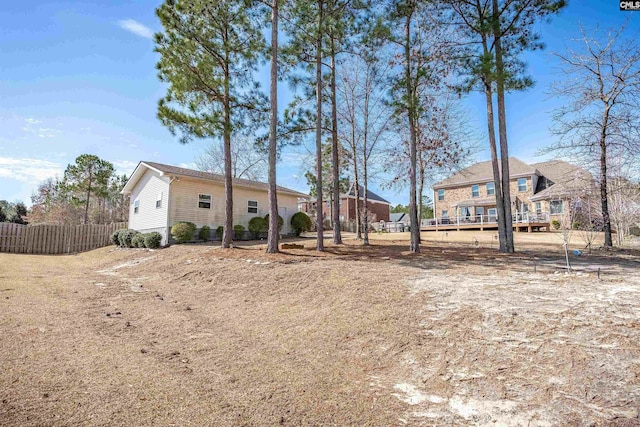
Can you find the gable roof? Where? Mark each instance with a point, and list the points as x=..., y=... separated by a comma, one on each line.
x=370, y=194
x=398, y=217
x=483, y=172
x=567, y=179
x=169, y=170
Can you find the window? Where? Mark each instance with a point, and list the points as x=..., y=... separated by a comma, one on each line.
x=479, y=211
x=475, y=191
x=538, y=207
x=556, y=207
x=159, y=201
x=445, y=214
x=491, y=188
x=204, y=201
x=136, y=206
x=440, y=194
x=522, y=184
x=252, y=206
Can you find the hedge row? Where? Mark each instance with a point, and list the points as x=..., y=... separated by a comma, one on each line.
x=134, y=239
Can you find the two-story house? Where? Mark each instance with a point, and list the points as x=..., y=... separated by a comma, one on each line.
x=378, y=207
x=540, y=192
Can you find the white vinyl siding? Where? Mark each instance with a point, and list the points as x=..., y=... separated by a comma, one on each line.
x=146, y=195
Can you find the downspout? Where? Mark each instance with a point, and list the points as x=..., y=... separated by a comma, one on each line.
x=168, y=230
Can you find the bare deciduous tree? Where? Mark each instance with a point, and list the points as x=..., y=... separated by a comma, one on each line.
x=601, y=84
x=247, y=161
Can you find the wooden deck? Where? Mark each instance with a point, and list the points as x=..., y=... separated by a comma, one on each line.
x=520, y=226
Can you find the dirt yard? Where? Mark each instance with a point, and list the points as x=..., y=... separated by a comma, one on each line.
x=194, y=335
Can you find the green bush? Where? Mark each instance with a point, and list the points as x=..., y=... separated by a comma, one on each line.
x=152, y=240
x=556, y=224
x=300, y=222
x=280, y=222
x=257, y=225
x=205, y=233
x=115, y=237
x=219, y=232
x=183, y=231
x=238, y=231
x=125, y=238
x=138, y=241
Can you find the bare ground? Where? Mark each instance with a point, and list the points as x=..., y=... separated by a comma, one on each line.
x=194, y=335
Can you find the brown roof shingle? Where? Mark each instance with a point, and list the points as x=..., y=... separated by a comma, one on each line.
x=174, y=170
x=483, y=171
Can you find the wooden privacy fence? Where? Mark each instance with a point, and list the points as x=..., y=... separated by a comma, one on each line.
x=55, y=239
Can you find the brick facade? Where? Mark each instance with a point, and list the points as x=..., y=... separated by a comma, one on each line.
x=377, y=210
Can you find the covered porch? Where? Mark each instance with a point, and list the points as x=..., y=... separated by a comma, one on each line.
x=482, y=214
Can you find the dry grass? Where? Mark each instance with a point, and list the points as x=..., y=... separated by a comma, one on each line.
x=194, y=335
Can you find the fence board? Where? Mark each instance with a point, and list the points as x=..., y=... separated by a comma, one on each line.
x=55, y=239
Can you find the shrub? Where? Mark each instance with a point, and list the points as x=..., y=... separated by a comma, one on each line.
x=300, y=222
x=138, y=241
x=115, y=237
x=183, y=231
x=280, y=222
x=556, y=224
x=152, y=240
x=219, y=231
x=126, y=237
x=238, y=231
x=205, y=233
x=257, y=225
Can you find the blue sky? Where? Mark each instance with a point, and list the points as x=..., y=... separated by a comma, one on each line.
x=79, y=77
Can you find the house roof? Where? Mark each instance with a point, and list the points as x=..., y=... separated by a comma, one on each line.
x=370, y=194
x=483, y=172
x=170, y=170
x=398, y=217
x=487, y=201
x=567, y=179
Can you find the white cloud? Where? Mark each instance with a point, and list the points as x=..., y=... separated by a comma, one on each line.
x=188, y=165
x=136, y=28
x=29, y=170
x=125, y=166
x=32, y=120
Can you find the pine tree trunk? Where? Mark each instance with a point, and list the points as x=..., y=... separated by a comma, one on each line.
x=604, y=196
x=335, y=159
x=497, y=182
x=502, y=130
x=414, y=247
x=228, y=167
x=272, y=239
x=319, y=218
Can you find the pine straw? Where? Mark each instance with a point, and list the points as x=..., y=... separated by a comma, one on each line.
x=196, y=335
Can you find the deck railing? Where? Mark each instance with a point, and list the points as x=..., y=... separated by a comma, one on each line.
x=518, y=218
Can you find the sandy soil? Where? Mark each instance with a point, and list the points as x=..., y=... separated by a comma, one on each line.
x=194, y=335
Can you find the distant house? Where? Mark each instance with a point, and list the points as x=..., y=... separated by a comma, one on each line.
x=401, y=217
x=377, y=207
x=540, y=192
x=161, y=195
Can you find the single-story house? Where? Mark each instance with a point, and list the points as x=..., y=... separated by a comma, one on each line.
x=162, y=195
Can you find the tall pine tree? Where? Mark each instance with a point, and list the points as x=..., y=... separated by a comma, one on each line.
x=208, y=53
